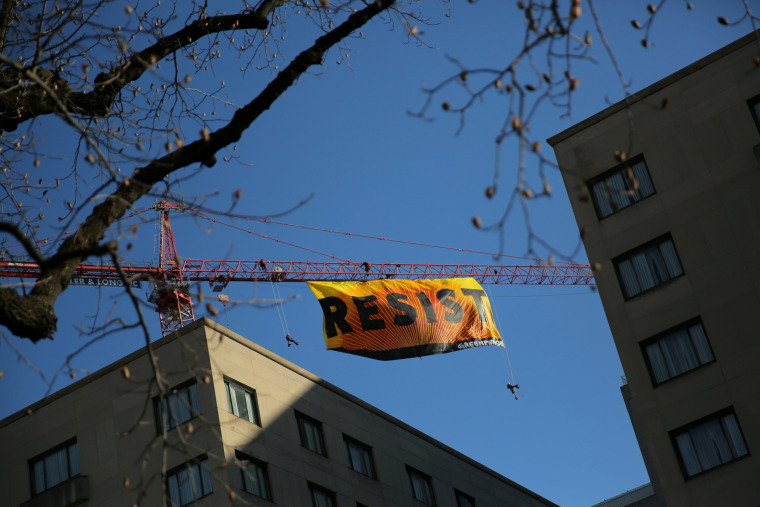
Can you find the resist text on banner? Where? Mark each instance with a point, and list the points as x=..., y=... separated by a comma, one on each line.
x=395, y=319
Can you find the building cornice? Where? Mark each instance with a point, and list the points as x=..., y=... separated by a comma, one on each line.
x=654, y=88
x=228, y=334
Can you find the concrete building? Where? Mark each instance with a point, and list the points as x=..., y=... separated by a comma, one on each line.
x=235, y=425
x=664, y=186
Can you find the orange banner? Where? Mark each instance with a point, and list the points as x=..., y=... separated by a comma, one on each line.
x=395, y=319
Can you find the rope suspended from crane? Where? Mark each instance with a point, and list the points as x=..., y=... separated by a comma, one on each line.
x=281, y=311
x=512, y=383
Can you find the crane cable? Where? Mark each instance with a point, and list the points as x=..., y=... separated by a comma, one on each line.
x=264, y=236
x=280, y=308
x=196, y=212
x=512, y=379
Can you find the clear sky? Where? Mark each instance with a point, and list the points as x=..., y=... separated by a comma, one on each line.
x=343, y=134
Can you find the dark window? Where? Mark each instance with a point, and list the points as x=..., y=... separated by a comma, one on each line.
x=360, y=457
x=709, y=443
x=54, y=467
x=321, y=497
x=241, y=401
x=422, y=486
x=189, y=482
x=464, y=500
x=647, y=267
x=621, y=187
x=311, y=434
x=254, y=476
x=754, y=107
x=181, y=405
x=677, y=351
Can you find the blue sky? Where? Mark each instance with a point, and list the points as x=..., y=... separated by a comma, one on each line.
x=344, y=136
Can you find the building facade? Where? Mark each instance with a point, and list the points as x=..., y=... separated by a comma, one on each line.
x=234, y=425
x=664, y=187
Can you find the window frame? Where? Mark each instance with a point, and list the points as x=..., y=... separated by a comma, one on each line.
x=316, y=488
x=752, y=103
x=619, y=168
x=40, y=458
x=301, y=421
x=172, y=420
x=668, y=333
x=458, y=495
x=687, y=428
x=245, y=459
x=367, y=456
x=628, y=255
x=253, y=409
x=204, y=474
x=426, y=479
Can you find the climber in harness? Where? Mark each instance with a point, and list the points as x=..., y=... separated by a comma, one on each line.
x=512, y=388
x=290, y=340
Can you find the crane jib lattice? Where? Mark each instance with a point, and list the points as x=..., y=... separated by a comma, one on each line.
x=225, y=271
x=302, y=271
x=172, y=298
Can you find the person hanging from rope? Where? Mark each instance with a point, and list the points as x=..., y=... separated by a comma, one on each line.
x=512, y=388
x=290, y=340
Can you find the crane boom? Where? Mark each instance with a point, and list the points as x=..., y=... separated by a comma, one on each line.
x=28, y=269
x=172, y=298
x=225, y=271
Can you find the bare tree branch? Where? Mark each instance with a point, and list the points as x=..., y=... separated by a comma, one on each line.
x=32, y=316
x=15, y=110
x=6, y=15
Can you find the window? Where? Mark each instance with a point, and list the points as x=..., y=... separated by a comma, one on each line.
x=677, y=352
x=422, y=487
x=311, y=434
x=242, y=402
x=189, y=482
x=181, y=405
x=709, y=443
x=754, y=106
x=54, y=467
x=621, y=187
x=464, y=500
x=321, y=497
x=254, y=476
x=648, y=266
x=360, y=457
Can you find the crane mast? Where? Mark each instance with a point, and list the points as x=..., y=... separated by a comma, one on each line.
x=171, y=278
x=170, y=294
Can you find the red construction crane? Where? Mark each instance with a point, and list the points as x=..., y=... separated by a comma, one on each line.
x=172, y=276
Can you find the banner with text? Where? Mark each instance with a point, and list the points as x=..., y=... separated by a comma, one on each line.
x=396, y=319
x=96, y=281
